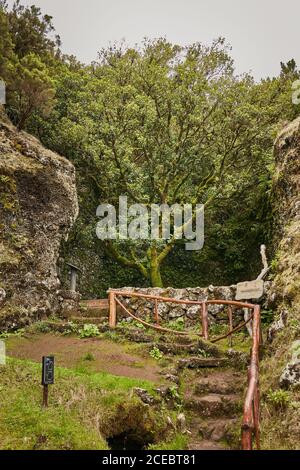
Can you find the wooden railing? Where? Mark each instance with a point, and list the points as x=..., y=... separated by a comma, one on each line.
x=250, y=423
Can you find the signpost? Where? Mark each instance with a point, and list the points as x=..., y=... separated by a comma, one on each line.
x=47, y=376
x=249, y=290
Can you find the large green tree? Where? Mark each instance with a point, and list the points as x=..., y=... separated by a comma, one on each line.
x=167, y=124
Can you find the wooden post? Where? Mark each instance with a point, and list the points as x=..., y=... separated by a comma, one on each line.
x=204, y=320
x=112, y=310
x=45, y=396
x=156, y=313
x=230, y=324
x=73, y=280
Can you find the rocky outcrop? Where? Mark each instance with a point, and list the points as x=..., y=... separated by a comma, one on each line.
x=284, y=295
x=286, y=208
x=38, y=205
x=290, y=376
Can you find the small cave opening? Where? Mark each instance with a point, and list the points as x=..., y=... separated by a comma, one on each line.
x=127, y=441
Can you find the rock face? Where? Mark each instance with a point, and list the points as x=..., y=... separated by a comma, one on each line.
x=286, y=208
x=38, y=205
x=284, y=295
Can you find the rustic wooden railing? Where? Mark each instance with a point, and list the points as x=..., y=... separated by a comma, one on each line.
x=250, y=423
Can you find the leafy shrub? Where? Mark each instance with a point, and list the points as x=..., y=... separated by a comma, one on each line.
x=178, y=324
x=155, y=353
x=279, y=399
x=267, y=317
x=71, y=328
x=89, y=331
x=203, y=353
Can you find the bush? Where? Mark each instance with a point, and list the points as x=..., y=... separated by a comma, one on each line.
x=155, y=353
x=279, y=399
x=89, y=331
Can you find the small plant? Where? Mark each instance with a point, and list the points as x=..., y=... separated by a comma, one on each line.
x=71, y=328
x=174, y=392
x=279, y=399
x=203, y=353
x=155, y=353
x=178, y=324
x=89, y=331
x=111, y=335
x=267, y=316
x=88, y=357
x=17, y=333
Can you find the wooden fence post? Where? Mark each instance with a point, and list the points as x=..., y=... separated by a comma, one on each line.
x=204, y=320
x=112, y=310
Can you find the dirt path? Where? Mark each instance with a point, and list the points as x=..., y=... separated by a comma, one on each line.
x=97, y=354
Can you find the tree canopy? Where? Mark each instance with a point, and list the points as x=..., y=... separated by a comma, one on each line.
x=159, y=123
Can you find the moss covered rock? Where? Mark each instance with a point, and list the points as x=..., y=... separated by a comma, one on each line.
x=38, y=206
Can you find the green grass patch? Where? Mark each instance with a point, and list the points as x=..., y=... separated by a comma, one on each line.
x=79, y=403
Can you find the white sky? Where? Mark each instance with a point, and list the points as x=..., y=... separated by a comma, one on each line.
x=262, y=32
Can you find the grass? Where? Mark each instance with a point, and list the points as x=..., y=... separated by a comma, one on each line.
x=280, y=410
x=81, y=407
x=177, y=442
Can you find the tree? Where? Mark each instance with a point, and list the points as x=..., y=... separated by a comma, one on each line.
x=32, y=32
x=167, y=124
x=32, y=90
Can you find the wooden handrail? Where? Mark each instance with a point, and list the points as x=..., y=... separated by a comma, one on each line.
x=250, y=423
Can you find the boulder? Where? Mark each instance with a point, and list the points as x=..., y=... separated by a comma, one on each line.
x=290, y=376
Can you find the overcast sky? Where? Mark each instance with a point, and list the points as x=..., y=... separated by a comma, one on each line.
x=262, y=32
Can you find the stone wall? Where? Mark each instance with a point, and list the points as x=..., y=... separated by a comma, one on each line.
x=143, y=308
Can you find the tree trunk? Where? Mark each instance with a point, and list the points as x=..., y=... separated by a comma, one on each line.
x=155, y=276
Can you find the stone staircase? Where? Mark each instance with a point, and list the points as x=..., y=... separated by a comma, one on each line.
x=91, y=311
x=213, y=401
x=212, y=381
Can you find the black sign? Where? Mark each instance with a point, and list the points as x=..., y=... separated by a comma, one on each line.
x=48, y=370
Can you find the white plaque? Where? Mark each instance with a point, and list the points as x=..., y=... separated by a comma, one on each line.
x=249, y=290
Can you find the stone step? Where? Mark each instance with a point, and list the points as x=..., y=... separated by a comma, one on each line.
x=205, y=445
x=95, y=313
x=213, y=405
x=221, y=384
x=94, y=308
x=193, y=347
x=216, y=430
x=201, y=362
x=95, y=303
x=84, y=320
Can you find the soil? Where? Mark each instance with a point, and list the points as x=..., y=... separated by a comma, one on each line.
x=105, y=355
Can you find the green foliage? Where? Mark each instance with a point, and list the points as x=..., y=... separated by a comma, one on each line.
x=267, y=316
x=40, y=327
x=155, y=353
x=177, y=325
x=17, y=333
x=88, y=357
x=25, y=425
x=173, y=390
x=279, y=399
x=178, y=442
x=159, y=123
x=89, y=331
